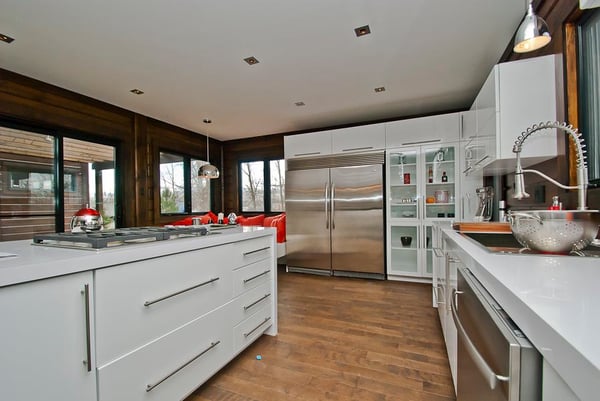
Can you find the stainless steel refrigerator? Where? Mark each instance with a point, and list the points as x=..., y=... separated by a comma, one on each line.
x=335, y=215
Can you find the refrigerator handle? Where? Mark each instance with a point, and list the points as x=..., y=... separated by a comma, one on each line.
x=326, y=204
x=333, y=206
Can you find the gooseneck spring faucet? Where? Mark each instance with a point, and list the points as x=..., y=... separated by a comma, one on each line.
x=582, y=177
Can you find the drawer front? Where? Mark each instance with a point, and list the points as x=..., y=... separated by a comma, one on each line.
x=173, y=366
x=252, y=301
x=253, y=250
x=139, y=302
x=251, y=276
x=250, y=329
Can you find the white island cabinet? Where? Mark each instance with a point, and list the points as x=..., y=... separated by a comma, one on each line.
x=147, y=321
x=46, y=340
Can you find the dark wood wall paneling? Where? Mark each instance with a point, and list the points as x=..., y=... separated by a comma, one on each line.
x=38, y=104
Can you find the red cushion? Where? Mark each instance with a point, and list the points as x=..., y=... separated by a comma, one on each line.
x=252, y=221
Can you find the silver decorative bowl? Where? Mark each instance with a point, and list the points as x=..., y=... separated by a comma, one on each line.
x=554, y=231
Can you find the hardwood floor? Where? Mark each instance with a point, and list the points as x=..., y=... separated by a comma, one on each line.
x=342, y=339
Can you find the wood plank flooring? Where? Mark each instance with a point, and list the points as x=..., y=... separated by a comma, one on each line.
x=342, y=339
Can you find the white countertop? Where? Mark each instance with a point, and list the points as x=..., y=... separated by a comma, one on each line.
x=35, y=262
x=555, y=301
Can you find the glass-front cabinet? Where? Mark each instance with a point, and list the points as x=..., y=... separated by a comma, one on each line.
x=422, y=188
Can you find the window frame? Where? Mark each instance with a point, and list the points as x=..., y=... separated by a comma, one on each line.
x=266, y=188
x=187, y=185
x=59, y=167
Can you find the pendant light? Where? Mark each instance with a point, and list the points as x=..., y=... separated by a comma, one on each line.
x=533, y=32
x=208, y=170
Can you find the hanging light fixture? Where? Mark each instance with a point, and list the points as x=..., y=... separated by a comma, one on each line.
x=533, y=32
x=208, y=170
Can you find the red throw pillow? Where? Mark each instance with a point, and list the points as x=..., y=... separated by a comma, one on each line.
x=252, y=221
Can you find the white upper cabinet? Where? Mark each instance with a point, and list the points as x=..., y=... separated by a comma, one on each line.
x=363, y=138
x=515, y=96
x=424, y=130
x=307, y=145
x=358, y=139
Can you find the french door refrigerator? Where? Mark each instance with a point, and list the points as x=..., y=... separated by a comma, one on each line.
x=335, y=216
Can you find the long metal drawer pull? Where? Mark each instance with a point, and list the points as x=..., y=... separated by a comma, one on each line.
x=361, y=148
x=150, y=387
x=484, y=158
x=257, y=301
x=438, y=252
x=485, y=369
x=257, y=327
x=326, y=204
x=88, y=328
x=419, y=142
x=212, y=280
x=307, y=154
x=246, y=280
x=255, y=251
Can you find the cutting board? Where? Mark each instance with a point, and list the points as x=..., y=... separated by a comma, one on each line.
x=487, y=227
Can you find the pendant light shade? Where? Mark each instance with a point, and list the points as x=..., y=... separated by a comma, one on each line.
x=532, y=34
x=208, y=170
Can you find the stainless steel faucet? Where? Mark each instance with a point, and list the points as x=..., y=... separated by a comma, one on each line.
x=582, y=177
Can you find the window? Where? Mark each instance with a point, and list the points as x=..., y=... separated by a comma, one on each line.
x=29, y=166
x=181, y=190
x=255, y=196
x=589, y=90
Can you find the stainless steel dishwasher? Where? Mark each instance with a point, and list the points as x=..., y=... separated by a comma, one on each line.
x=496, y=362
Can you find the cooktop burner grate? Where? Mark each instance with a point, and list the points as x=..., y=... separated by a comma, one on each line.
x=117, y=237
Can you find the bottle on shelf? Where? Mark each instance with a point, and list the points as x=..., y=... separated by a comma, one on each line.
x=430, y=175
x=444, y=177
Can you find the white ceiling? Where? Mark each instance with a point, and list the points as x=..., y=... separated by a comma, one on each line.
x=187, y=56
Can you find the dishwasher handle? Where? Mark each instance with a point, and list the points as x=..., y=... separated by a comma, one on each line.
x=491, y=377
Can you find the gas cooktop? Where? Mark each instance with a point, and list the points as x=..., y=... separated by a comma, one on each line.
x=117, y=237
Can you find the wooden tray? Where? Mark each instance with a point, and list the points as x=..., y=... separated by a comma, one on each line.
x=488, y=227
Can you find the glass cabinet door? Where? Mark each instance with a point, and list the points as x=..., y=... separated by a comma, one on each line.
x=404, y=250
x=403, y=178
x=440, y=170
x=428, y=250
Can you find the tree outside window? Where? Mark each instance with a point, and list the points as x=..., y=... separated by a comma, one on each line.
x=181, y=190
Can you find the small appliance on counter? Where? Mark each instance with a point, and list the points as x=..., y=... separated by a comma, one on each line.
x=486, y=197
x=86, y=219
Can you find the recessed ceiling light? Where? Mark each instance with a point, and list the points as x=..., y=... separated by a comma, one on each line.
x=300, y=104
x=137, y=91
x=6, y=38
x=207, y=121
x=380, y=89
x=362, y=30
x=251, y=60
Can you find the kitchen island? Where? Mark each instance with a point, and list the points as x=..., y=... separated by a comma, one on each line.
x=554, y=301
x=141, y=321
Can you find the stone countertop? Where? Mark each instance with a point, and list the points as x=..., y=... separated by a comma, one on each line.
x=555, y=301
x=36, y=262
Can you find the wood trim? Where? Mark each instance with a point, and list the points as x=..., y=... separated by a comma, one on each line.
x=571, y=93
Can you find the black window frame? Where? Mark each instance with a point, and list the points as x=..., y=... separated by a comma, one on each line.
x=266, y=188
x=187, y=185
x=59, y=134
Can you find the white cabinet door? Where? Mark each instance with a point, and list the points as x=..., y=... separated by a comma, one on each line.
x=424, y=130
x=527, y=95
x=358, y=139
x=46, y=340
x=307, y=145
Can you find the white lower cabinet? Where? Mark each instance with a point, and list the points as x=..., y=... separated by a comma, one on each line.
x=47, y=335
x=554, y=387
x=172, y=366
x=251, y=328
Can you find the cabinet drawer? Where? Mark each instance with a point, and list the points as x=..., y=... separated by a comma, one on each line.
x=251, y=276
x=172, y=366
x=250, y=329
x=251, y=302
x=252, y=250
x=139, y=302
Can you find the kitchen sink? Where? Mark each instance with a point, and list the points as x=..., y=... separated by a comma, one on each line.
x=506, y=243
